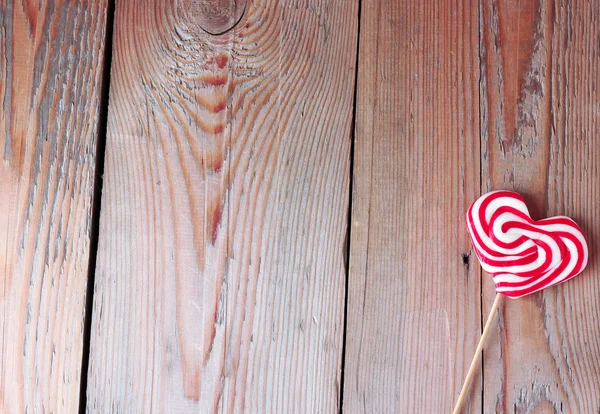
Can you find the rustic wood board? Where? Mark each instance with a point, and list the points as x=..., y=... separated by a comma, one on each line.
x=220, y=276
x=51, y=61
x=413, y=305
x=540, y=113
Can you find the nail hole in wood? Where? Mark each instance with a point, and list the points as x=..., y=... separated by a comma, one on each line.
x=466, y=258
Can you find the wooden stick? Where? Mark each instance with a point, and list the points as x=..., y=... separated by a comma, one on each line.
x=477, y=356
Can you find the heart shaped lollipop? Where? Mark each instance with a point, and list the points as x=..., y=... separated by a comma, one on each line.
x=522, y=255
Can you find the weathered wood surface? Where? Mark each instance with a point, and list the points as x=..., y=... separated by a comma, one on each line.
x=220, y=276
x=51, y=59
x=540, y=115
x=414, y=285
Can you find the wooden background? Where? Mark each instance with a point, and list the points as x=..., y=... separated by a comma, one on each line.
x=258, y=205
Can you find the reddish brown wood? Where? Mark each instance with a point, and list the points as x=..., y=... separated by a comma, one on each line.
x=221, y=277
x=51, y=60
x=413, y=308
x=540, y=137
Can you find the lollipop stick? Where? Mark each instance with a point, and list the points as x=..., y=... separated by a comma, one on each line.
x=477, y=356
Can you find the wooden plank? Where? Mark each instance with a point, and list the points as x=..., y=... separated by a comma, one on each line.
x=414, y=287
x=540, y=137
x=51, y=60
x=220, y=278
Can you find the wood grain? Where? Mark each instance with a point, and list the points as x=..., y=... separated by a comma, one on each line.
x=414, y=285
x=540, y=111
x=51, y=60
x=220, y=278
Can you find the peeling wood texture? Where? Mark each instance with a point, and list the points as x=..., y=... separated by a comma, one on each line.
x=51, y=59
x=220, y=277
x=414, y=286
x=540, y=116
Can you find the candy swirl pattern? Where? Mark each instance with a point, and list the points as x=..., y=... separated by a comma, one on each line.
x=522, y=255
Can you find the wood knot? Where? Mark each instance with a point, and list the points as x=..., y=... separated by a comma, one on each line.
x=217, y=16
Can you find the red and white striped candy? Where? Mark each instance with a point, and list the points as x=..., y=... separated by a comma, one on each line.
x=523, y=255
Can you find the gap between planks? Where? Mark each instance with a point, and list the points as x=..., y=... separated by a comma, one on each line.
x=350, y=197
x=96, y=202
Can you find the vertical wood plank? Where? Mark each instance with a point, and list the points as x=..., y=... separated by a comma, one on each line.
x=220, y=277
x=51, y=60
x=540, y=137
x=414, y=288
